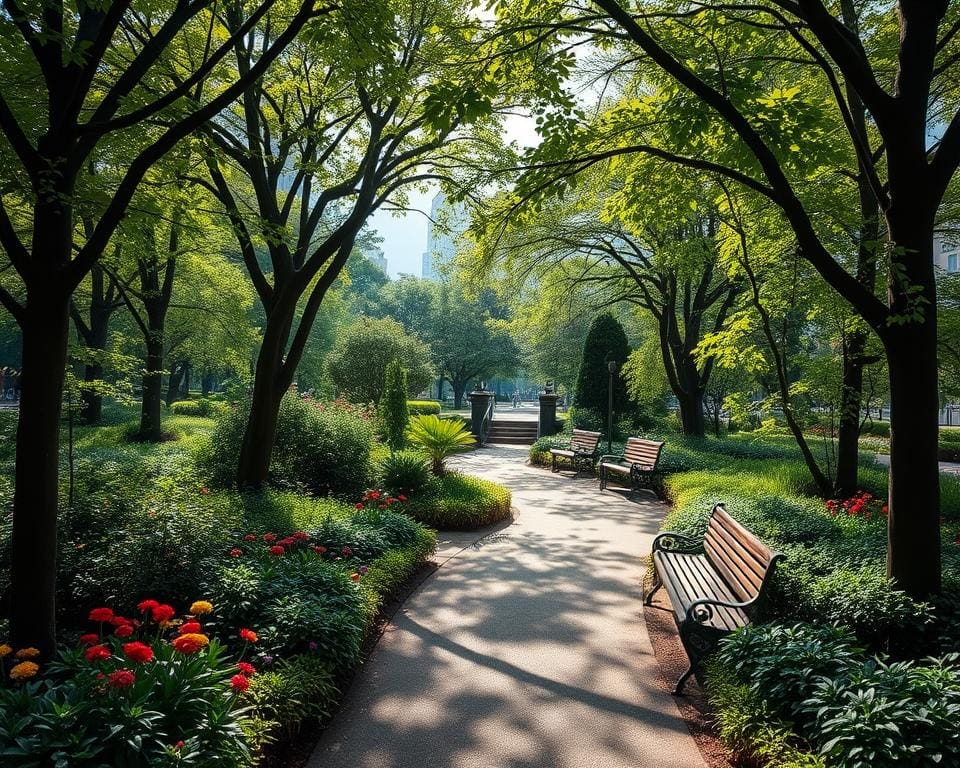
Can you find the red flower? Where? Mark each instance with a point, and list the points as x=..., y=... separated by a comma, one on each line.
x=250, y=537
x=354, y=577
x=346, y=551
x=277, y=550
x=269, y=537
x=246, y=668
x=359, y=505
x=319, y=549
x=239, y=683
x=138, y=652
x=248, y=635
x=391, y=500
x=374, y=495
x=884, y=510
x=189, y=626
x=101, y=614
x=301, y=536
x=288, y=542
x=401, y=497
x=122, y=678
x=147, y=605
x=97, y=653
x=89, y=639
x=119, y=621
x=162, y=612
x=124, y=630
x=236, y=552
x=178, y=746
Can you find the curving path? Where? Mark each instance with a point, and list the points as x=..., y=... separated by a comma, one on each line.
x=526, y=648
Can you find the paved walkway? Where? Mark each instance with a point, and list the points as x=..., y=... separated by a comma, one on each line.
x=527, y=648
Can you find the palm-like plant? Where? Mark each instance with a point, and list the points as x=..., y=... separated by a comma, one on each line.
x=439, y=438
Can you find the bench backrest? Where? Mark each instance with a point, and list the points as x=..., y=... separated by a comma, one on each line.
x=643, y=452
x=742, y=559
x=583, y=441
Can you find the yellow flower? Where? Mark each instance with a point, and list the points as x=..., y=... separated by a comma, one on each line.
x=201, y=607
x=5, y=650
x=27, y=653
x=24, y=670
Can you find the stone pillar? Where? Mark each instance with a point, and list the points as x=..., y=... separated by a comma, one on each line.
x=547, y=423
x=479, y=402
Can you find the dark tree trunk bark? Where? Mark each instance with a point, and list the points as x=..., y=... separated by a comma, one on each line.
x=692, y=420
x=91, y=407
x=152, y=395
x=33, y=566
x=458, y=390
x=845, y=483
x=173, y=383
x=187, y=370
x=206, y=384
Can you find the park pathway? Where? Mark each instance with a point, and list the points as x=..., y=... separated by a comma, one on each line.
x=526, y=648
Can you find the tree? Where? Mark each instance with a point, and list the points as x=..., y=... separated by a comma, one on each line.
x=469, y=337
x=725, y=79
x=350, y=120
x=606, y=342
x=358, y=363
x=394, y=413
x=78, y=83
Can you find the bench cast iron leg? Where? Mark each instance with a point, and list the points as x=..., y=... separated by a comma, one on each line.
x=657, y=584
x=678, y=690
x=553, y=462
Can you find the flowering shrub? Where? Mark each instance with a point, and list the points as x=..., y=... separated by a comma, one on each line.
x=165, y=697
x=861, y=504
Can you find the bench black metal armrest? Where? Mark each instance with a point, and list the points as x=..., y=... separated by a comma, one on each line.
x=610, y=456
x=674, y=541
x=701, y=611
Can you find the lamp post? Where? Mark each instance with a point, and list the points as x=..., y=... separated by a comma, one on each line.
x=612, y=366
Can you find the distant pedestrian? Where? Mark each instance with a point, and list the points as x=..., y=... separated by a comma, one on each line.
x=16, y=385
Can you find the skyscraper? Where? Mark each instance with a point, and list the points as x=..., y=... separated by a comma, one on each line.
x=448, y=222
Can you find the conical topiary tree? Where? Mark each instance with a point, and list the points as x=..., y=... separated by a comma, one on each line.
x=394, y=413
x=605, y=341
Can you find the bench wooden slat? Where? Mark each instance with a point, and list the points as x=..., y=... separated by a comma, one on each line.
x=639, y=460
x=702, y=581
x=761, y=550
x=582, y=450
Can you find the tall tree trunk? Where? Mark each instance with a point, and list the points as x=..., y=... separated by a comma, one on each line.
x=33, y=567
x=173, y=383
x=187, y=370
x=458, y=390
x=851, y=402
x=913, y=553
x=206, y=384
x=692, y=420
x=152, y=394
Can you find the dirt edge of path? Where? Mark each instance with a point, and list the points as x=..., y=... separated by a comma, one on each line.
x=693, y=705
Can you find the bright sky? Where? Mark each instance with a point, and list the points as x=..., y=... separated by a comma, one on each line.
x=405, y=236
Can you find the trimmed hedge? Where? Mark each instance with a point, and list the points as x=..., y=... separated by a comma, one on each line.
x=420, y=407
x=460, y=502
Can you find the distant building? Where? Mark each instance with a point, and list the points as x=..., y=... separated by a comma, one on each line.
x=375, y=254
x=946, y=251
x=447, y=224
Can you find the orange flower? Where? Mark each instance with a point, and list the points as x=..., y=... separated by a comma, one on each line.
x=189, y=627
x=201, y=607
x=26, y=653
x=24, y=670
x=190, y=643
x=248, y=635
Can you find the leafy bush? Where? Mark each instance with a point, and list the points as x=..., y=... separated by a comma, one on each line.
x=294, y=691
x=439, y=438
x=321, y=446
x=404, y=472
x=857, y=712
x=420, y=407
x=457, y=501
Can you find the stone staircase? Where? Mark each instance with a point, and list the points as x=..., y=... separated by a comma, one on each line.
x=514, y=432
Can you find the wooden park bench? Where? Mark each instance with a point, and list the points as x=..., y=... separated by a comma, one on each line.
x=714, y=584
x=638, y=462
x=582, y=452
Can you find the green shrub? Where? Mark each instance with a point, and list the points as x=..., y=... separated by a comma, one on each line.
x=900, y=714
x=457, y=501
x=420, y=407
x=394, y=415
x=321, y=446
x=404, y=472
x=201, y=407
x=296, y=690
